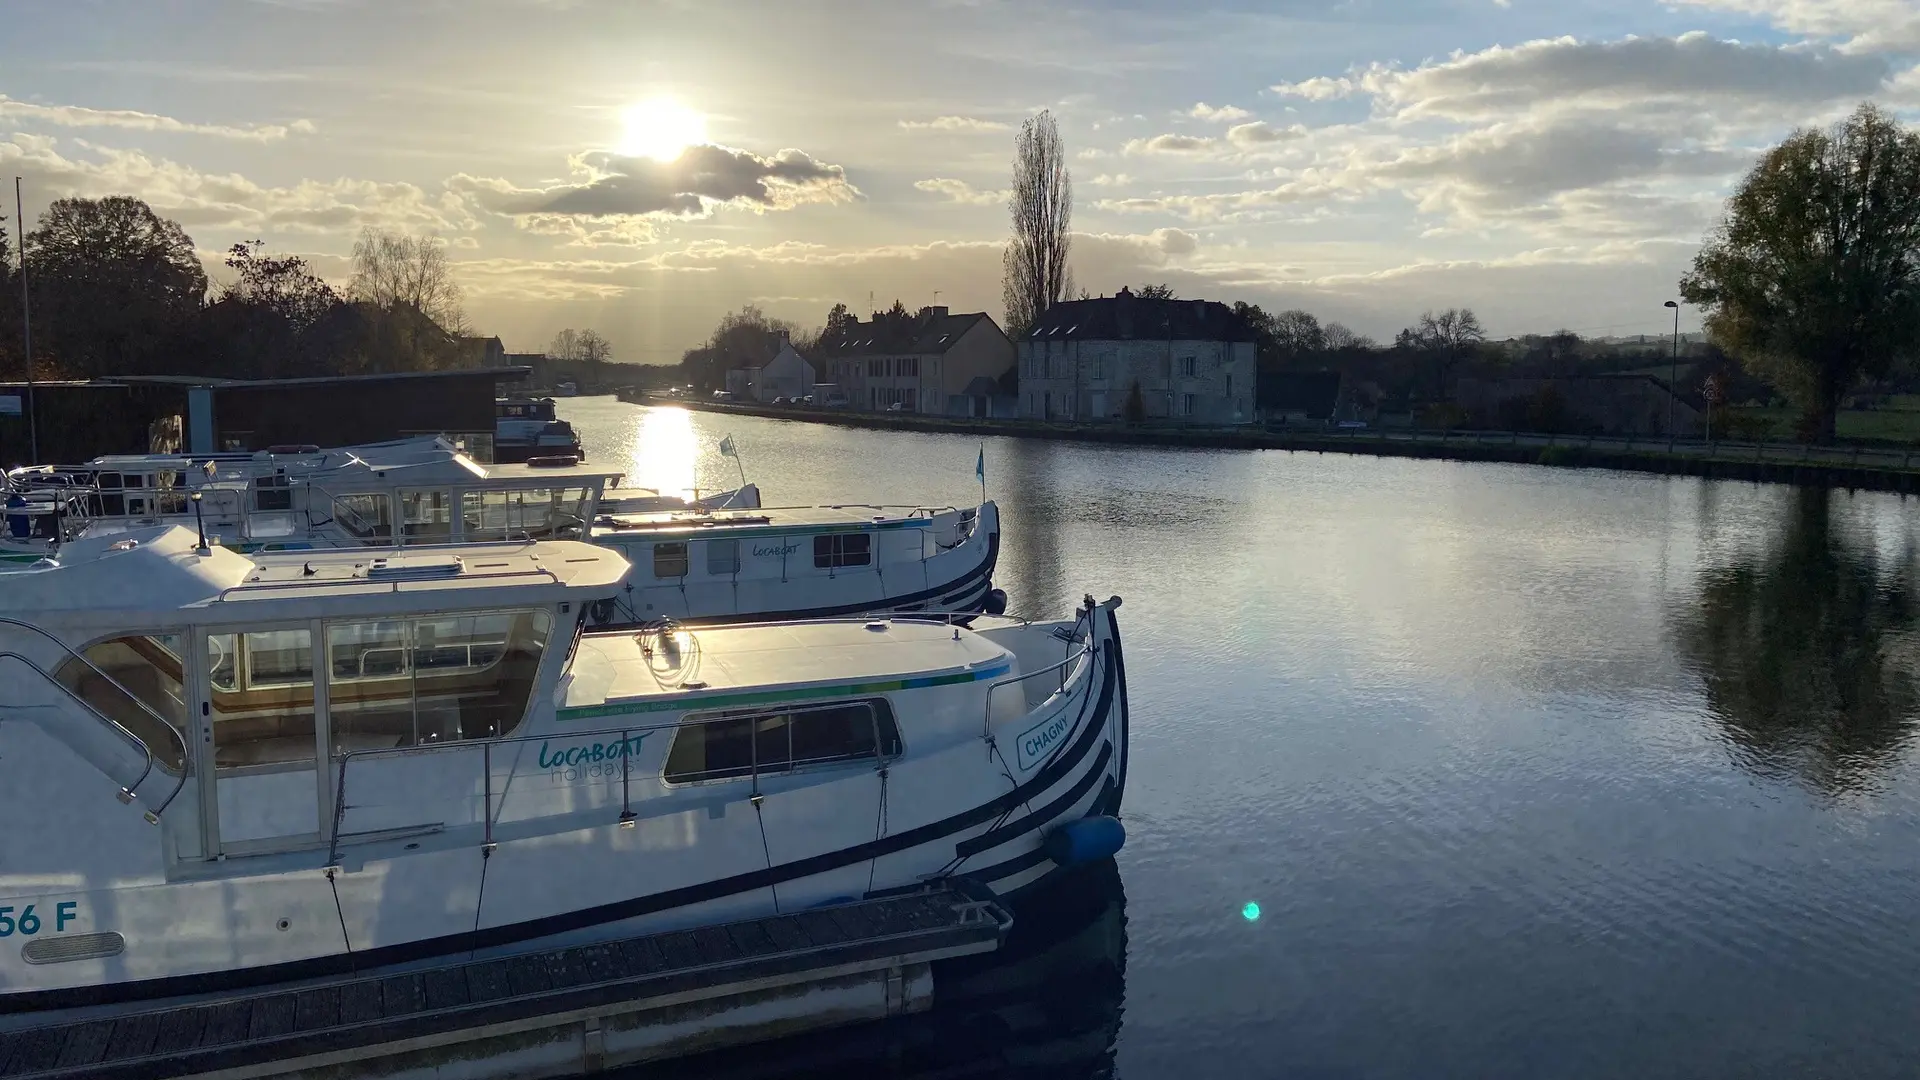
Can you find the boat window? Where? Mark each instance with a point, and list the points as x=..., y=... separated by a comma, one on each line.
x=723, y=556
x=394, y=683
x=365, y=516
x=843, y=549
x=262, y=697
x=149, y=668
x=670, y=560
x=272, y=492
x=719, y=747
x=526, y=514
x=426, y=517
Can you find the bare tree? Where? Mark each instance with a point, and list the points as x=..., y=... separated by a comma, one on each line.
x=593, y=348
x=1036, y=273
x=565, y=345
x=393, y=268
x=1450, y=336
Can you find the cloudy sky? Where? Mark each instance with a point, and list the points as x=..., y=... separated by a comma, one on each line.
x=1550, y=163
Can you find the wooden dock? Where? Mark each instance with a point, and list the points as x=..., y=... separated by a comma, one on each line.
x=562, y=1012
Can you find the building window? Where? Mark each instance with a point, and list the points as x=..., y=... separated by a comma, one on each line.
x=842, y=549
x=723, y=556
x=1186, y=404
x=1229, y=384
x=670, y=560
x=1186, y=367
x=725, y=746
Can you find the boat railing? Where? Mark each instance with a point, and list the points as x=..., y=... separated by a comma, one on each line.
x=616, y=748
x=127, y=792
x=1059, y=668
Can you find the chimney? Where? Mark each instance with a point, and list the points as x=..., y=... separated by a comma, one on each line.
x=938, y=311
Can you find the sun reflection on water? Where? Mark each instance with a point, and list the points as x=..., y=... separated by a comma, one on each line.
x=666, y=452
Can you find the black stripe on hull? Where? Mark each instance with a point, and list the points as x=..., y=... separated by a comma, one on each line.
x=493, y=937
x=948, y=596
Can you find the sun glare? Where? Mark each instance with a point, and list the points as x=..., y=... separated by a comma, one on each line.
x=661, y=129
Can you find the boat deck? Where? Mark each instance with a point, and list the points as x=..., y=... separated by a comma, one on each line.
x=365, y=1019
x=774, y=518
x=693, y=664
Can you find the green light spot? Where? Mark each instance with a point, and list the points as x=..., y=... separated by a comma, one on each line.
x=1251, y=911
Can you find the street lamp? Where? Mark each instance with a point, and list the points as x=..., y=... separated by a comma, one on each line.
x=1673, y=380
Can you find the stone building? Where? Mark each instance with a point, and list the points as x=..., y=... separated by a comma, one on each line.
x=1189, y=361
x=924, y=363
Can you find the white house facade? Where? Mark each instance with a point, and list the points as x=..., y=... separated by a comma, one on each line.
x=1186, y=361
x=787, y=375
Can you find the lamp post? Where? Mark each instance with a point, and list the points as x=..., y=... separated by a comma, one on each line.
x=26, y=326
x=1673, y=379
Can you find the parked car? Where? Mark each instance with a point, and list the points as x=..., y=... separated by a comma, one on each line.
x=723, y=395
x=896, y=407
x=806, y=399
x=1355, y=424
x=780, y=400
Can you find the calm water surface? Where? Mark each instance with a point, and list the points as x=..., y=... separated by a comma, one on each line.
x=1531, y=772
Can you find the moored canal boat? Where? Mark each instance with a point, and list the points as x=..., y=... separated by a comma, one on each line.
x=357, y=760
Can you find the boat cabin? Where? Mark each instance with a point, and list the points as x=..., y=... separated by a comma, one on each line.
x=259, y=671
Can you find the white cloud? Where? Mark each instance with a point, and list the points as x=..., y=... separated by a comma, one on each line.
x=1224, y=114
x=1864, y=25
x=1261, y=133
x=75, y=116
x=230, y=201
x=961, y=192
x=954, y=123
x=1693, y=72
x=1167, y=144
x=1318, y=88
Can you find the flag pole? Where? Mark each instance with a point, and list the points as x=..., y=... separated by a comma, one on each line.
x=26, y=324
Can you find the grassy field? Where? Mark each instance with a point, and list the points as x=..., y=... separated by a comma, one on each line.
x=1897, y=423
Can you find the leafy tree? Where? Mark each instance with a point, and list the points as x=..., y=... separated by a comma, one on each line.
x=1813, y=277
x=744, y=338
x=391, y=268
x=1035, y=263
x=1297, y=337
x=114, y=284
x=840, y=323
x=285, y=285
x=1155, y=292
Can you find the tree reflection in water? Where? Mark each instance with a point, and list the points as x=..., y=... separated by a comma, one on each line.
x=1808, y=652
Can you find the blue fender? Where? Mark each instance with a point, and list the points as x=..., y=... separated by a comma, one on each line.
x=1089, y=839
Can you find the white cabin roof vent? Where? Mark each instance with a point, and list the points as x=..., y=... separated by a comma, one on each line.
x=414, y=567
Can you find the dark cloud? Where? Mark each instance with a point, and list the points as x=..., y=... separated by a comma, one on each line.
x=687, y=186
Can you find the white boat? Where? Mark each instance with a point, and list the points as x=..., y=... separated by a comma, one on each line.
x=716, y=557
x=225, y=771
x=412, y=491
x=800, y=562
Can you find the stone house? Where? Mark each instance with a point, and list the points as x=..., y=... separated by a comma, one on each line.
x=925, y=363
x=1191, y=361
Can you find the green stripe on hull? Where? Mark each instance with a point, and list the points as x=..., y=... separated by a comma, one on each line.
x=696, y=700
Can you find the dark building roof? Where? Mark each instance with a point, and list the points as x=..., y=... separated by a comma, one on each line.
x=1314, y=393
x=1126, y=317
x=931, y=331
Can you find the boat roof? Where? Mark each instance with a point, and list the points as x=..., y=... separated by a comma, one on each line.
x=432, y=460
x=728, y=667
x=787, y=518
x=157, y=571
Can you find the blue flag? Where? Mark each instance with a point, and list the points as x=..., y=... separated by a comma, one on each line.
x=980, y=466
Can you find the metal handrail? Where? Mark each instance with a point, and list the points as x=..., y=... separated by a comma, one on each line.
x=186, y=758
x=1086, y=650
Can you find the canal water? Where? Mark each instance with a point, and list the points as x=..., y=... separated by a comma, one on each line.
x=1440, y=769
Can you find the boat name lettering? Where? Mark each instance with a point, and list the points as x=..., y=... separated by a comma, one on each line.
x=1042, y=737
x=568, y=757
x=27, y=922
x=776, y=551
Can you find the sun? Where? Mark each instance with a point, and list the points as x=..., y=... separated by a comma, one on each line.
x=661, y=129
